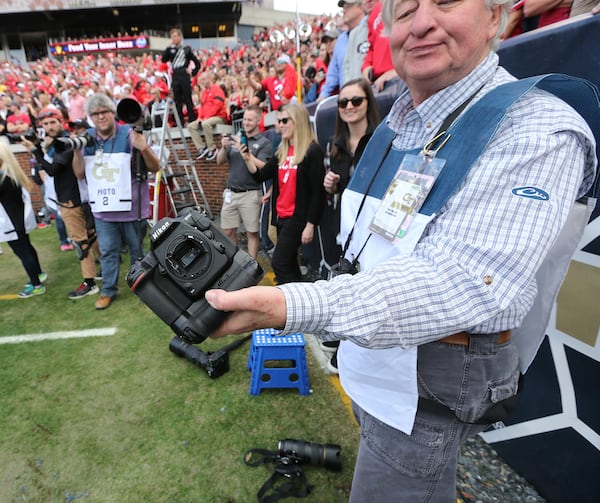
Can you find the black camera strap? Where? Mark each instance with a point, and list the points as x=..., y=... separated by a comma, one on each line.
x=288, y=479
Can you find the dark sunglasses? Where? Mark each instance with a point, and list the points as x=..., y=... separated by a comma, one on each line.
x=355, y=100
x=283, y=120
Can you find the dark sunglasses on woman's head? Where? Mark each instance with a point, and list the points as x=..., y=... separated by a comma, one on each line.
x=355, y=100
x=283, y=120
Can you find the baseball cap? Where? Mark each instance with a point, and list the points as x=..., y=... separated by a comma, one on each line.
x=82, y=123
x=330, y=34
x=50, y=113
x=284, y=58
x=342, y=2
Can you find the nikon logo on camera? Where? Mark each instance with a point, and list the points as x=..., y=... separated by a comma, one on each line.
x=157, y=233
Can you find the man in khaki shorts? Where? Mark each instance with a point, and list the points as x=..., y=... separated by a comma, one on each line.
x=242, y=197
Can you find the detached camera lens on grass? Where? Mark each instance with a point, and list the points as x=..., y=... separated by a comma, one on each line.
x=326, y=455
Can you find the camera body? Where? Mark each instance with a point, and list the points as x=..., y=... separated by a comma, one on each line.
x=30, y=135
x=344, y=266
x=66, y=144
x=188, y=256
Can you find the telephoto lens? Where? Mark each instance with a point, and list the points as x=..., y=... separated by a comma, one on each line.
x=65, y=144
x=327, y=455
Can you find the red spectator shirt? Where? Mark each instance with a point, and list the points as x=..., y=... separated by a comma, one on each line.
x=281, y=87
x=19, y=120
x=379, y=55
x=286, y=176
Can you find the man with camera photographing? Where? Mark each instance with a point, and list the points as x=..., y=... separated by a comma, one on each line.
x=73, y=208
x=242, y=198
x=430, y=326
x=114, y=161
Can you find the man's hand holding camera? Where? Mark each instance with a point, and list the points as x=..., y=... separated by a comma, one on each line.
x=138, y=141
x=29, y=145
x=33, y=143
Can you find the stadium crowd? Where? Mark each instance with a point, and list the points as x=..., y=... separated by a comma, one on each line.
x=61, y=82
x=70, y=80
x=248, y=72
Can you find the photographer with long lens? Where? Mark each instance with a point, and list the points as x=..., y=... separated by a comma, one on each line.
x=58, y=163
x=118, y=196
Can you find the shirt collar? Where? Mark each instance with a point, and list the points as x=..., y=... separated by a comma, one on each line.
x=434, y=110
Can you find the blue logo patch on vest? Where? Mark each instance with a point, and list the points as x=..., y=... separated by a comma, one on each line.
x=531, y=193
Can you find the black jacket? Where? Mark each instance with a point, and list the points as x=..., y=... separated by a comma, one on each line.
x=310, y=193
x=170, y=53
x=61, y=168
x=342, y=163
x=11, y=197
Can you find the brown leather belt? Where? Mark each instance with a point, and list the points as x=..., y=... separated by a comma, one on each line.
x=462, y=338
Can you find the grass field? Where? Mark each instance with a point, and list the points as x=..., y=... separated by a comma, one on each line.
x=119, y=418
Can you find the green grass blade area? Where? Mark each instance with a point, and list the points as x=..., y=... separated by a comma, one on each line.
x=122, y=419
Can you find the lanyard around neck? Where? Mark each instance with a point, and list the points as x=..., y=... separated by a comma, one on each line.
x=438, y=136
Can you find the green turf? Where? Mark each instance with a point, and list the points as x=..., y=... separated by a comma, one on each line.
x=122, y=419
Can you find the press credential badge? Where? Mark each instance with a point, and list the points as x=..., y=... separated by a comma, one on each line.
x=405, y=195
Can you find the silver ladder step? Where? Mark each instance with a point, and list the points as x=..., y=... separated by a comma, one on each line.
x=178, y=171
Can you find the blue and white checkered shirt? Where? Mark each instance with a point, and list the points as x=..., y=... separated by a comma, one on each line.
x=473, y=269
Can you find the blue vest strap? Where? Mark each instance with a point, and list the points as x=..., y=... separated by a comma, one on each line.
x=473, y=130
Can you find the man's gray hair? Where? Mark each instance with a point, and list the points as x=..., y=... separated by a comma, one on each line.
x=387, y=13
x=97, y=101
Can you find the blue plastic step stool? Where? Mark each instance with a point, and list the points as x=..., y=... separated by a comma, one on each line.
x=277, y=361
x=270, y=332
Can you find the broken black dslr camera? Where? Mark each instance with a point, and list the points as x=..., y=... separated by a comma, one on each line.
x=188, y=256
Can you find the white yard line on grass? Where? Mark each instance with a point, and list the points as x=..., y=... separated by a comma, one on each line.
x=74, y=334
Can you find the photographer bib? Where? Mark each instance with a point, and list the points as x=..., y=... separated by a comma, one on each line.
x=109, y=181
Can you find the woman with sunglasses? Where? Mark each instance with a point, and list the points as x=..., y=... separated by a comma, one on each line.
x=298, y=195
x=357, y=118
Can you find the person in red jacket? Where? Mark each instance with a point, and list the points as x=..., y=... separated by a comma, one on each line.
x=211, y=112
x=377, y=67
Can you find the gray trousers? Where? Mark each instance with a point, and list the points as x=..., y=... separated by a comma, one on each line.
x=421, y=467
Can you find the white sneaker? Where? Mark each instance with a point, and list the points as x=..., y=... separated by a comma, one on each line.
x=202, y=153
x=211, y=155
